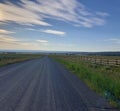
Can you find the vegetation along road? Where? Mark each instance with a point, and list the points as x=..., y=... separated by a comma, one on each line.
x=45, y=85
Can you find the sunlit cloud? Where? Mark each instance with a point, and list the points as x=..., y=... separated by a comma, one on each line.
x=2, y=31
x=19, y=46
x=49, y=31
x=8, y=42
x=55, y=32
x=4, y=38
x=13, y=43
x=14, y=13
x=35, y=13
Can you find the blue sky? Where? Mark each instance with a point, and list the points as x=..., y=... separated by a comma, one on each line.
x=60, y=25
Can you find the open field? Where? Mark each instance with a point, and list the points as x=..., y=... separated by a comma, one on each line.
x=103, y=60
x=104, y=79
x=10, y=58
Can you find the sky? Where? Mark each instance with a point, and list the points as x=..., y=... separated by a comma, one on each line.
x=60, y=25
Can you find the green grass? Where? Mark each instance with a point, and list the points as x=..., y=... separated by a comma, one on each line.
x=105, y=80
x=6, y=59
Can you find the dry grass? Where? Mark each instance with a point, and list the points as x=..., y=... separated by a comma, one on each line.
x=6, y=59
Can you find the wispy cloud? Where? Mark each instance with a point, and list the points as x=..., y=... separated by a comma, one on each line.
x=49, y=31
x=113, y=40
x=4, y=38
x=56, y=32
x=19, y=14
x=31, y=29
x=2, y=31
x=8, y=42
x=42, y=41
x=102, y=14
x=35, y=13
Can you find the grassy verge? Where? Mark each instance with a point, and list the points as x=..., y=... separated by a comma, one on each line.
x=6, y=59
x=105, y=80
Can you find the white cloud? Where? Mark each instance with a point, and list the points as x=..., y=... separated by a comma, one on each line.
x=2, y=31
x=8, y=42
x=102, y=14
x=14, y=13
x=21, y=46
x=42, y=41
x=4, y=38
x=31, y=29
x=56, y=32
x=113, y=40
x=35, y=13
x=49, y=31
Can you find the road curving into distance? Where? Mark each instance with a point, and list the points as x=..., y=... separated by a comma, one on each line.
x=45, y=85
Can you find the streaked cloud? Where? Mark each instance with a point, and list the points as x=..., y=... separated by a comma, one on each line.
x=56, y=32
x=42, y=41
x=113, y=40
x=35, y=13
x=8, y=42
x=19, y=46
x=19, y=14
x=4, y=38
x=102, y=14
x=2, y=31
x=31, y=29
x=49, y=31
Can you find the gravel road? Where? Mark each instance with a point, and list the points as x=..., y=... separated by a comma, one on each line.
x=45, y=85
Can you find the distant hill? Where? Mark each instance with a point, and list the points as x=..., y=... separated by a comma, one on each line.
x=62, y=52
x=97, y=53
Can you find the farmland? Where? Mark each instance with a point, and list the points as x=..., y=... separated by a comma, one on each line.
x=100, y=73
x=9, y=58
x=103, y=60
